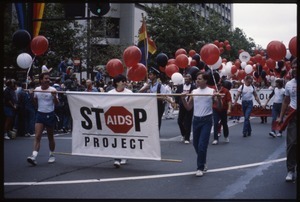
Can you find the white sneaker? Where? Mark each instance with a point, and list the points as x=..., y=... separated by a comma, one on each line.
x=215, y=142
x=117, y=164
x=123, y=161
x=6, y=137
x=186, y=142
x=51, y=159
x=279, y=134
x=227, y=139
x=219, y=134
x=290, y=176
x=32, y=160
x=272, y=134
x=199, y=173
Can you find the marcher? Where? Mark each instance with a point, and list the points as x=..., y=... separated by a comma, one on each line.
x=185, y=116
x=154, y=86
x=90, y=86
x=10, y=107
x=289, y=104
x=119, y=82
x=247, y=90
x=203, y=119
x=45, y=117
x=221, y=114
x=278, y=94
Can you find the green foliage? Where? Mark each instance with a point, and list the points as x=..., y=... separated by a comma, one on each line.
x=174, y=26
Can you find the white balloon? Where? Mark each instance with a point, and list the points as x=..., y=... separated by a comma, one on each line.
x=24, y=60
x=228, y=68
x=248, y=69
x=217, y=64
x=288, y=54
x=190, y=60
x=244, y=56
x=243, y=65
x=177, y=78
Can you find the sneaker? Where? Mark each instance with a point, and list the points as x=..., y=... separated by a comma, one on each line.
x=6, y=137
x=31, y=160
x=215, y=142
x=279, y=134
x=123, y=161
x=13, y=134
x=272, y=134
x=27, y=135
x=117, y=164
x=290, y=176
x=186, y=142
x=51, y=159
x=32, y=135
x=199, y=173
x=219, y=134
x=227, y=139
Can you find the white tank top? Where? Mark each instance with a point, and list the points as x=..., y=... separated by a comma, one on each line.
x=203, y=104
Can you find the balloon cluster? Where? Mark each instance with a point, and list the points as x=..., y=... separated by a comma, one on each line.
x=223, y=45
x=38, y=45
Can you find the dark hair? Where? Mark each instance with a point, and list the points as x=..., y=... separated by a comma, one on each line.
x=279, y=82
x=204, y=75
x=42, y=75
x=118, y=78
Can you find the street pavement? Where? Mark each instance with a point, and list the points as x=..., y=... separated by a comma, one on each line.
x=245, y=168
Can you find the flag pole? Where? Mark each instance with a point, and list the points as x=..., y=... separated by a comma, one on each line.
x=145, y=47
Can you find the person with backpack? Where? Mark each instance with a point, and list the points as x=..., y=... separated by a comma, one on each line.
x=247, y=91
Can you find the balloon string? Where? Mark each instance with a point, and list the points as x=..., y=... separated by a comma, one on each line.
x=28, y=72
x=214, y=80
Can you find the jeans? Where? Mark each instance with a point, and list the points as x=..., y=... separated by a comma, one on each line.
x=275, y=113
x=247, y=106
x=220, y=115
x=184, y=121
x=201, y=133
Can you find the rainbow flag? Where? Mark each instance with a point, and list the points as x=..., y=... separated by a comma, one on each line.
x=145, y=43
x=38, y=11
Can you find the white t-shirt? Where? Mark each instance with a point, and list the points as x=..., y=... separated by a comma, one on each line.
x=247, y=93
x=124, y=91
x=291, y=90
x=45, y=100
x=278, y=95
x=203, y=104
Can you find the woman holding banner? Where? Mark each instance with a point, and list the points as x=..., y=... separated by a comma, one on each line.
x=119, y=82
x=202, y=101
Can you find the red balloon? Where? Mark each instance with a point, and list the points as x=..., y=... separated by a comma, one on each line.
x=263, y=61
x=293, y=46
x=221, y=44
x=192, y=53
x=210, y=54
x=171, y=69
x=265, y=68
x=233, y=69
x=132, y=55
x=241, y=74
x=137, y=72
x=237, y=63
x=171, y=61
x=271, y=63
x=193, y=63
x=114, y=67
x=217, y=43
x=258, y=58
x=228, y=47
x=276, y=50
x=39, y=45
x=182, y=61
x=221, y=50
x=226, y=42
x=180, y=51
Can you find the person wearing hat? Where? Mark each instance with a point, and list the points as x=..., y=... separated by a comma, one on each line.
x=154, y=86
x=119, y=82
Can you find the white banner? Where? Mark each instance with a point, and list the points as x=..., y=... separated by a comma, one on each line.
x=115, y=125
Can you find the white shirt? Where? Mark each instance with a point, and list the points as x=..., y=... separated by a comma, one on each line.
x=124, y=91
x=45, y=100
x=278, y=95
x=291, y=90
x=203, y=104
x=247, y=93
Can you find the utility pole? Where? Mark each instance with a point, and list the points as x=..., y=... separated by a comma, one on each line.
x=88, y=41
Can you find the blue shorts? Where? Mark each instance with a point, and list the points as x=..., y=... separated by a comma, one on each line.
x=9, y=112
x=48, y=119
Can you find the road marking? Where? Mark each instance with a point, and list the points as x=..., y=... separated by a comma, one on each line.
x=141, y=177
